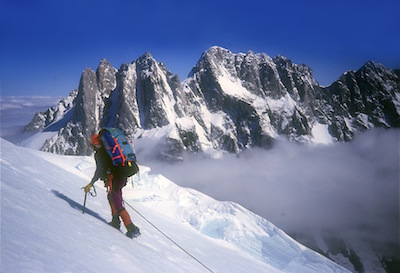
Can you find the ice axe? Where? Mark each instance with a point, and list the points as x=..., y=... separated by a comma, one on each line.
x=92, y=193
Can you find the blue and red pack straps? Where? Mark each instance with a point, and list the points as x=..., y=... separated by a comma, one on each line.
x=120, y=154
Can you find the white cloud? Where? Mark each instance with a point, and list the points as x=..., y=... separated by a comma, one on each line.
x=18, y=111
x=350, y=187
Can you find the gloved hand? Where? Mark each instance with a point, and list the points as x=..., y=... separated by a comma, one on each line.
x=87, y=187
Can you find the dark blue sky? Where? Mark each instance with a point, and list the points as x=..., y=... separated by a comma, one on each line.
x=45, y=45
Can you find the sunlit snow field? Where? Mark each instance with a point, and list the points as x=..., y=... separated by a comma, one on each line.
x=351, y=189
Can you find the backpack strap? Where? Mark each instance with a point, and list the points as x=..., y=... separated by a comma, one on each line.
x=113, y=147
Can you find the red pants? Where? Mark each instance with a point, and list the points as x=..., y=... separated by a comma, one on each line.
x=115, y=198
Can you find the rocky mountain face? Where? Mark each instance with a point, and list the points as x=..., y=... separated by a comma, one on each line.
x=229, y=102
x=251, y=98
x=82, y=117
x=362, y=100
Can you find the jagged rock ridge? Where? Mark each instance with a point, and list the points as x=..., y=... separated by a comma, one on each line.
x=229, y=102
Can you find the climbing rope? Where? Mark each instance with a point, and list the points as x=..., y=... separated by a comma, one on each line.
x=166, y=236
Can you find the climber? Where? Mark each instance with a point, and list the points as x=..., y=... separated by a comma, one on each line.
x=115, y=183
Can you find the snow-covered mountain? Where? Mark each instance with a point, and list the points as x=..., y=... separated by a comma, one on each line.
x=43, y=228
x=229, y=102
x=54, y=115
x=362, y=100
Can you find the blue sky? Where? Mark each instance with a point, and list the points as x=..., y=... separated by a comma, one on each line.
x=45, y=45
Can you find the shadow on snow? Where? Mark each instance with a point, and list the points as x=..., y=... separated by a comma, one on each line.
x=78, y=206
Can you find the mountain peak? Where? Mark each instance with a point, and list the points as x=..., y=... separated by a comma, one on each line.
x=146, y=55
x=216, y=48
x=216, y=52
x=375, y=67
x=104, y=61
x=376, y=74
x=146, y=63
x=372, y=64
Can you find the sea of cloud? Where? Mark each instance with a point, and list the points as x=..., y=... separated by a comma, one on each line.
x=18, y=111
x=350, y=188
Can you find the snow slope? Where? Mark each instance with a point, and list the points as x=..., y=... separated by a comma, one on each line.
x=43, y=228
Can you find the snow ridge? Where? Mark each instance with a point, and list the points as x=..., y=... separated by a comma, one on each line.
x=43, y=228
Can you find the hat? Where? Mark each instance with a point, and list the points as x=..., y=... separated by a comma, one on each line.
x=96, y=140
